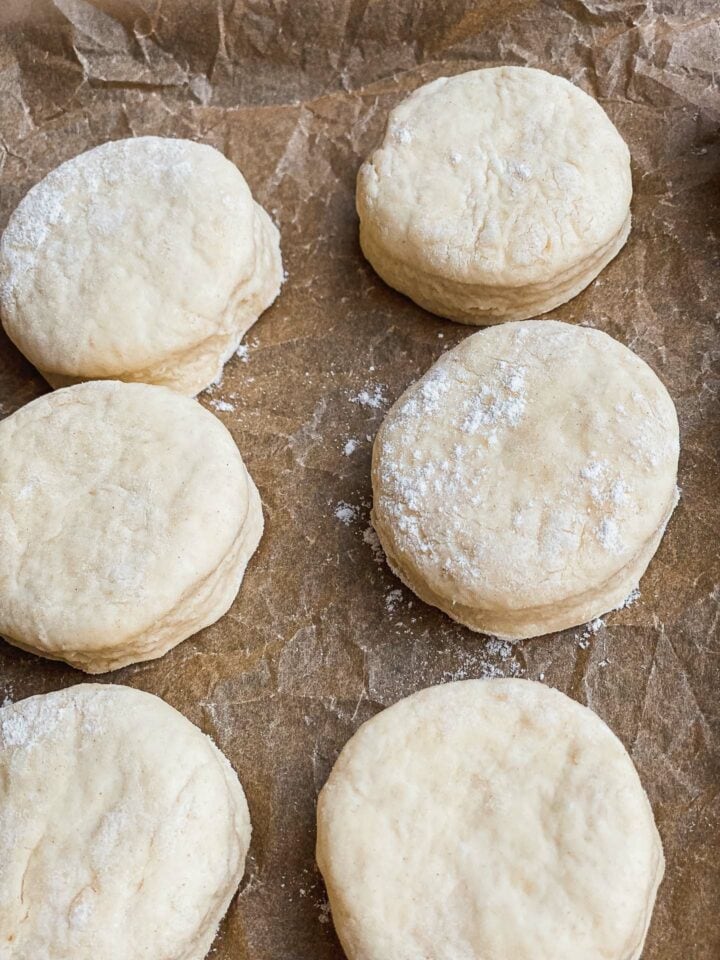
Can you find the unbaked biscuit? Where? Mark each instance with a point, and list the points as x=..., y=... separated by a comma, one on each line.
x=488, y=820
x=141, y=260
x=523, y=484
x=127, y=519
x=123, y=829
x=496, y=195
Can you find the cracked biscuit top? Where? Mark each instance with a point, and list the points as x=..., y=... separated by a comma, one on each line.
x=506, y=176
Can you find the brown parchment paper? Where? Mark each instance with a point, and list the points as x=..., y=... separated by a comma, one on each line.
x=322, y=636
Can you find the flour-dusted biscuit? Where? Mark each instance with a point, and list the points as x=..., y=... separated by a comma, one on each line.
x=127, y=519
x=488, y=820
x=123, y=829
x=496, y=195
x=142, y=260
x=524, y=483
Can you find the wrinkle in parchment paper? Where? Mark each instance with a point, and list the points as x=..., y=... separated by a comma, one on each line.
x=322, y=635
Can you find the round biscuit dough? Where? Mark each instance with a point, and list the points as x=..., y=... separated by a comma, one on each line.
x=488, y=820
x=141, y=260
x=127, y=519
x=496, y=195
x=123, y=829
x=523, y=484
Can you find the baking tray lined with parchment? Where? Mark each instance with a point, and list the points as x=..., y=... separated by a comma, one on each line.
x=322, y=636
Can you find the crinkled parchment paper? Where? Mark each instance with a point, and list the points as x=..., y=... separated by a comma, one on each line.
x=322, y=635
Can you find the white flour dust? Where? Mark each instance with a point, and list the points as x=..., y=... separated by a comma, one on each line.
x=345, y=512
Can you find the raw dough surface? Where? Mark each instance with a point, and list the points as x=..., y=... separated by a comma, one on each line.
x=497, y=194
x=523, y=484
x=123, y=829
x=142, y=260
x=127, y=519
x=488, y=820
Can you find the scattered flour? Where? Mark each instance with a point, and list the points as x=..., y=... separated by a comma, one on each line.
x=373, y=541
x=248, y=346
x=222, y=405
x=590, y=630
x=619, y=492
x=372, y=396
x=345, y=512
x=350, y=447
x=37, y=719
x=594, y=469
x=608, y=533
x=483, y=414
x=501, y=405
x=392, y=599
x=629, y=600
x=485, y=665
x=499, y=648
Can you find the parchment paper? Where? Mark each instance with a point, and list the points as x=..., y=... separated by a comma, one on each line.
x=322, y=636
